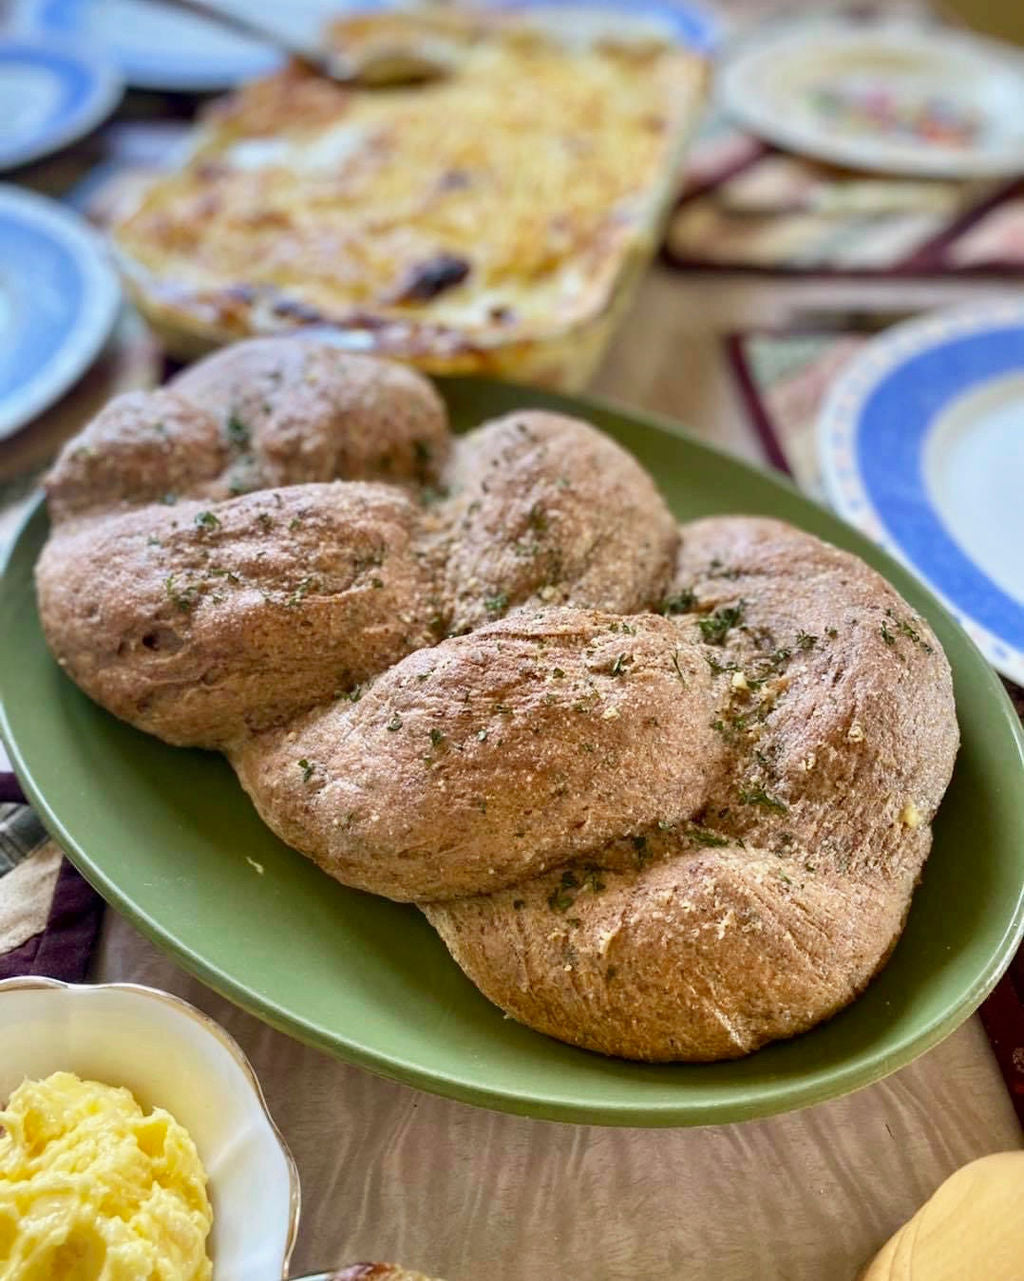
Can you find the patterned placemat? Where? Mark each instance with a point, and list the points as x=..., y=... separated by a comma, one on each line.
x=751, y=207
x=783, y=377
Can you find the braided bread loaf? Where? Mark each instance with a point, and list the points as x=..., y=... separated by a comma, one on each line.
x=664, y=792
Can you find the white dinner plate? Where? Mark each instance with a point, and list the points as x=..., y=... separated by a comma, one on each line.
x=892, y=97
x=922, y=447
x=50, y=94
x=58, y=302
x=158, y=48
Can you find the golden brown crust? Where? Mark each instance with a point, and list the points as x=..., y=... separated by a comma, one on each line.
x=489, y=757
x=313, y=412
x=198, y=622
x=546, y=512
x=772, y=906
x=662, y=837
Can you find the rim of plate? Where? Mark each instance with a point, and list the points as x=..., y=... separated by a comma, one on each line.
x=223, y=1036
x=824, y=1084
x=63, y=58
x=837, y=431
x=90, y=328
x=739, y=92
x=157, y=69
x=695, y=25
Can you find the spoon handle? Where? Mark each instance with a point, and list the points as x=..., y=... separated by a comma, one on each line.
x=302, y=51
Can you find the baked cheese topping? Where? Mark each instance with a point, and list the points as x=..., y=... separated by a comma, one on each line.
x=502, y=196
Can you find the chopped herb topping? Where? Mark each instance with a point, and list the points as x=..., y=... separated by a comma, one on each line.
x=887, y=635
x=558, y=673
x=643, y=854
x=496, y=604
x=182, y=598
x=560, y=900
x=675, y=664
x=304, y=587
x=237, y=431
x=265, y=521
x=482, y=735
x=704, y=836
x=620, y=663
x=394, y=723
x=717, y=626
x=436, y=738
x=758, y=796
x=832, y=632
x=206, y=521
x=431, y=495
x=537, y=519
x=805, y=641
x=307, y=769
x=680, y=602
x=911, y=633
x=169, y=499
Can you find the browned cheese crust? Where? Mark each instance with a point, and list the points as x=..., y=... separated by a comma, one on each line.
x=663, y=797
x=772, y=905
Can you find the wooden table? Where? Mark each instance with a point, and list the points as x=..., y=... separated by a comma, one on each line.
x=468, y=1195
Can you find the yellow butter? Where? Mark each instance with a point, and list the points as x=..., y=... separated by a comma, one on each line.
x=94, y=1189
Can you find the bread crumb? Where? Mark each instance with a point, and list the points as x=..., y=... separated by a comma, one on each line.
x=856, y=732
x=739, y=680
x=808, y=763
x=910, y=816
x=548, y=592
x=610, y=714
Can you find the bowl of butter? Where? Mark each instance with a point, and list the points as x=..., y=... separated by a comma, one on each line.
x=134, y=1141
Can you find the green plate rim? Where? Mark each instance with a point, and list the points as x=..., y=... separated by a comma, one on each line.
x=759, y=1101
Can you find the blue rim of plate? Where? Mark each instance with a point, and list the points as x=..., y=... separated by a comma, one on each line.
x=175, y=69
x=89, y=90
x=872, y=435
x=192, y=70
x=66, y=297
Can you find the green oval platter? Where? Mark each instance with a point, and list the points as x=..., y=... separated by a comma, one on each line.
x=167, y=835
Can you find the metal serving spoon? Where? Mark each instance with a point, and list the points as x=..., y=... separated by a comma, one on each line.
x=380, y=67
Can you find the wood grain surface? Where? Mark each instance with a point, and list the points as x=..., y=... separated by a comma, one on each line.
x=469, y=1195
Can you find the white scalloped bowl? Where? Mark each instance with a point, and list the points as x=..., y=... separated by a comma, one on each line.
x=171, y=1056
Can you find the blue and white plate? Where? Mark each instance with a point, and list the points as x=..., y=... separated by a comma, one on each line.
x=159, y=48
x=50, y=94
x=58, y=301
x=922, y=447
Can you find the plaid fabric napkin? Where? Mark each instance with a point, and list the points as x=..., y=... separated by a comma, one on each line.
x=783, y=377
